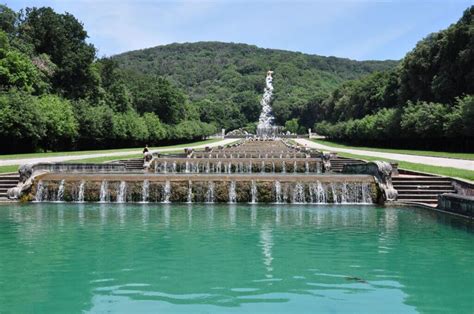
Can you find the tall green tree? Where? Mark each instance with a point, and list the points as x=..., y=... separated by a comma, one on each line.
x=63, y=38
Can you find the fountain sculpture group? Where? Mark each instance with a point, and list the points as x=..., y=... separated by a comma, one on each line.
x=263, y=169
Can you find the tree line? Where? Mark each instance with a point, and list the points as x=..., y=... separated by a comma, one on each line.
x=55, y=94
x=426, y=101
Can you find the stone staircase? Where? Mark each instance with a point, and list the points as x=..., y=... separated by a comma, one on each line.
x=135, y=164
x=338, y=163
x=421, y=189
x=7, y=181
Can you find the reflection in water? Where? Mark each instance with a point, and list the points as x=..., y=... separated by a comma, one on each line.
x=232, y=215
x=266, y=241
x=253, y=215
x=190, y=215
x=254, y=258
x=103, y=214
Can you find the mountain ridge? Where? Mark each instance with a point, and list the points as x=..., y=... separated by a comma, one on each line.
x=234, y=73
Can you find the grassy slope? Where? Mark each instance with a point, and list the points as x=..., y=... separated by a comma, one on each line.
x=86, y=152
x=469, y=156
x=14, y=168
x=443, y=171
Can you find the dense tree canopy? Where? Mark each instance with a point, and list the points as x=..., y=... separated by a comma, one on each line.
x=55, y=94
x=429, y=95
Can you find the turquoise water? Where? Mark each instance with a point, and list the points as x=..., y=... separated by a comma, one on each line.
x=70, y=258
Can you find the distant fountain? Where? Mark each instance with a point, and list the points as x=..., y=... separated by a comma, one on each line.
x=122, y=192
x=80, y=195
x=265, y=127
x=232, y=193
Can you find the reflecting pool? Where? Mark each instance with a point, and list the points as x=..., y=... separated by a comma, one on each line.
x=233, y=258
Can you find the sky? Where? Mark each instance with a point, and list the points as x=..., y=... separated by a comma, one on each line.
x=355, y=29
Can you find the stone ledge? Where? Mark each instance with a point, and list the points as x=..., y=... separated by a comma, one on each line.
x=459, y=204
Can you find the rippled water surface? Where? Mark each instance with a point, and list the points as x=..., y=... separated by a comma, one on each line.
x=226, y=258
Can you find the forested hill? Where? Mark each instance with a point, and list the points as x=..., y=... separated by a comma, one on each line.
x=226, y=80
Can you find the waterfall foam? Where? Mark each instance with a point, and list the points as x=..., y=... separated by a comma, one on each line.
x=232, y=193
x=122, y=192
x=80, y=195
x=265, y=121
x=104, y=192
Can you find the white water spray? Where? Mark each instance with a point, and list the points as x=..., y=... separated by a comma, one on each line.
x=265, y=121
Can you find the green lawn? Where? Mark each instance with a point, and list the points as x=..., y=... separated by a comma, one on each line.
x=8, y=169
x=14, y=168
x=443, y=171
x=469, y=156
x=86, y=152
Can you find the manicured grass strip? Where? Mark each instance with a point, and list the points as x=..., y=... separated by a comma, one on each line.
x=8, y=169
x=469, y=156
x=98, y=160
x=443, y=171
x=86, y=152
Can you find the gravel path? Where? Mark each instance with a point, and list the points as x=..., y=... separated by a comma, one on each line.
x=22, y=161
x=433, y=161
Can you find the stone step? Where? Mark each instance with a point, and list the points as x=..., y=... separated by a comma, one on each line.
x=413, y=182
x=9, y=180
x=434, y=192
x=419, y=178
x=423, y=186
x=418, y=196
x=423, y=201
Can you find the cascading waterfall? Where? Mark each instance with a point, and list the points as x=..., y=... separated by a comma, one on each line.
x=232, y=193
x=335, y=199
x=104, y=192
x=122, y=192
x=306, y=166
x=167, y=192
x=190, y=192
x=60, y=195
x=278, y=197
x=366, y=198
x=298, y=196
x=145, y=188
x=39, y=192
x=321, y=193
x=210, y=192
x=283, y=167
x=253, y=191
x=80, y=195
x=344, y=193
